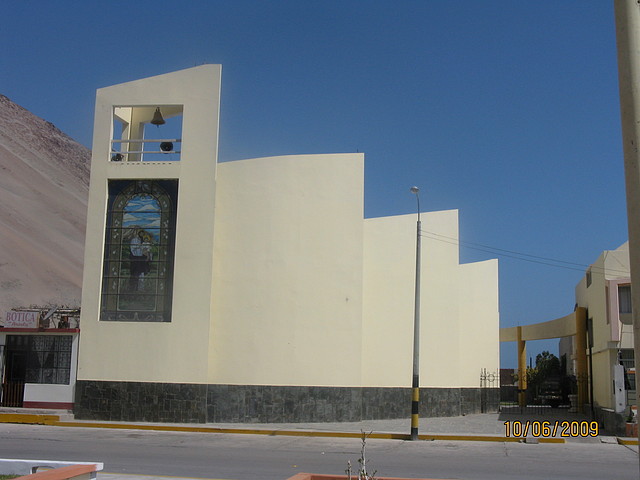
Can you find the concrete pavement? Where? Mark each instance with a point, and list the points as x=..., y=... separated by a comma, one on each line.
x=476, y=427
x=555, y=426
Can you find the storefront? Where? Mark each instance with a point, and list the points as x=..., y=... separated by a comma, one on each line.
x=38, y=355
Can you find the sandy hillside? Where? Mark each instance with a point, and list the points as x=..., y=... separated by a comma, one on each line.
x=44, y=184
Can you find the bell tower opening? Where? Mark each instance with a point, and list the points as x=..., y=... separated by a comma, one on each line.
x=147, y=133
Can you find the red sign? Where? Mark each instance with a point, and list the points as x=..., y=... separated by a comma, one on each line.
x=22, y=320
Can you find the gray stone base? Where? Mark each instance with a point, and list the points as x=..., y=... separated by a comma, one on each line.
x=194, y=403
x=141, y=402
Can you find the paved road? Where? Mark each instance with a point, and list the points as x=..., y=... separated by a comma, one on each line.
x=247, y=457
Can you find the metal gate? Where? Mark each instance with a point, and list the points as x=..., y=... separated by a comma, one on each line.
x=571, y=395
x=489, y=391
x=15, y=367
x=12, y=394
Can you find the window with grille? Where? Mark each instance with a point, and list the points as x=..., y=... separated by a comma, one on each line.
x=48, y=357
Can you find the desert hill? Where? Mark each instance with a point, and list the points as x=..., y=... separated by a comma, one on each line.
x=44, y=185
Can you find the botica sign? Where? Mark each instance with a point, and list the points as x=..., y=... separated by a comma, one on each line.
x=22, y=320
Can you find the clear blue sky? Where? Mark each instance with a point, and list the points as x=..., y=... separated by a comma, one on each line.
x=507, y=110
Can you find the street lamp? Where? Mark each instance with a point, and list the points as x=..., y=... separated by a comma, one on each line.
x=415, y=383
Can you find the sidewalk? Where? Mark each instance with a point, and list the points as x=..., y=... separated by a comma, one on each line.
x=558, y=426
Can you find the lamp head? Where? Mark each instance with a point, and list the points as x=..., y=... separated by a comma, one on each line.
x=414, y=190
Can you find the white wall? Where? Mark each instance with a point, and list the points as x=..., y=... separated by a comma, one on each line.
x=479, y=327
x=459, y=305
x=45, y=393
x=287, y=290
x=307, y=293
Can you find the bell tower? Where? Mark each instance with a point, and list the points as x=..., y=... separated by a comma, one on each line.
x=147, y=282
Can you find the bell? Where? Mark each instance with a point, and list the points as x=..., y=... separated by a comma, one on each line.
x=157, y=118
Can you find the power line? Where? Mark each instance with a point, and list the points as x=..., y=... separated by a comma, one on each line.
x=551, y=262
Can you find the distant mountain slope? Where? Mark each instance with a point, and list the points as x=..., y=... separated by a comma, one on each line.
x=44, y=185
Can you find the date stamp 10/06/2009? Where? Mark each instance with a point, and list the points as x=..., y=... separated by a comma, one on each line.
x=570, y=429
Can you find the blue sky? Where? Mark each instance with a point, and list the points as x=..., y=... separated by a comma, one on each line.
x=506, y=110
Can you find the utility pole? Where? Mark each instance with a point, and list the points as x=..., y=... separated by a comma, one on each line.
x=415, y=379
x=627, y=13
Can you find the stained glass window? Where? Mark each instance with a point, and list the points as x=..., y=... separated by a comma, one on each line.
x=139, y=251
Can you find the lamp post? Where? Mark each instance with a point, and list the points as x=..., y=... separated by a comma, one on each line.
x=415, y=383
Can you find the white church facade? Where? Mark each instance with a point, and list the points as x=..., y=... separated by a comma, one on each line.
x=255, y=290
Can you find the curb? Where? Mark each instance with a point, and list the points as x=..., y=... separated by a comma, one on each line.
x=29, y=418
x=627, y=441
x=54, y=420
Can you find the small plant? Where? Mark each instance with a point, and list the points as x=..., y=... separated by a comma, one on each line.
x=363, y=474
x=631, y=417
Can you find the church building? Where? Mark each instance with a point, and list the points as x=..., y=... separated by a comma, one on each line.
x=255, y=290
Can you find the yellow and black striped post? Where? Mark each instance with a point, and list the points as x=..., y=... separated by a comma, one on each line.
x=415, y=408
x=415, y=383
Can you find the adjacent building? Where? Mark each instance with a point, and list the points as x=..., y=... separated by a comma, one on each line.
x=605, y=293
x=39, y=356
x=254, y=290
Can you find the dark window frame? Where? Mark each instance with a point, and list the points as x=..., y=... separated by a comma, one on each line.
x=132, y=291
x=48, y=357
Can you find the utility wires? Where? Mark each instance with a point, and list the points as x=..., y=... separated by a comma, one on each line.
x=551, y=262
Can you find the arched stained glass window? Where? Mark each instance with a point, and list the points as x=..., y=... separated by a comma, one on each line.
x=139, y=251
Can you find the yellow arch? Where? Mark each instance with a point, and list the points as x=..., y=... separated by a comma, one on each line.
x=573, y=324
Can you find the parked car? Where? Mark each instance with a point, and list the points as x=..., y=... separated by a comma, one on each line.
x=550, y=392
